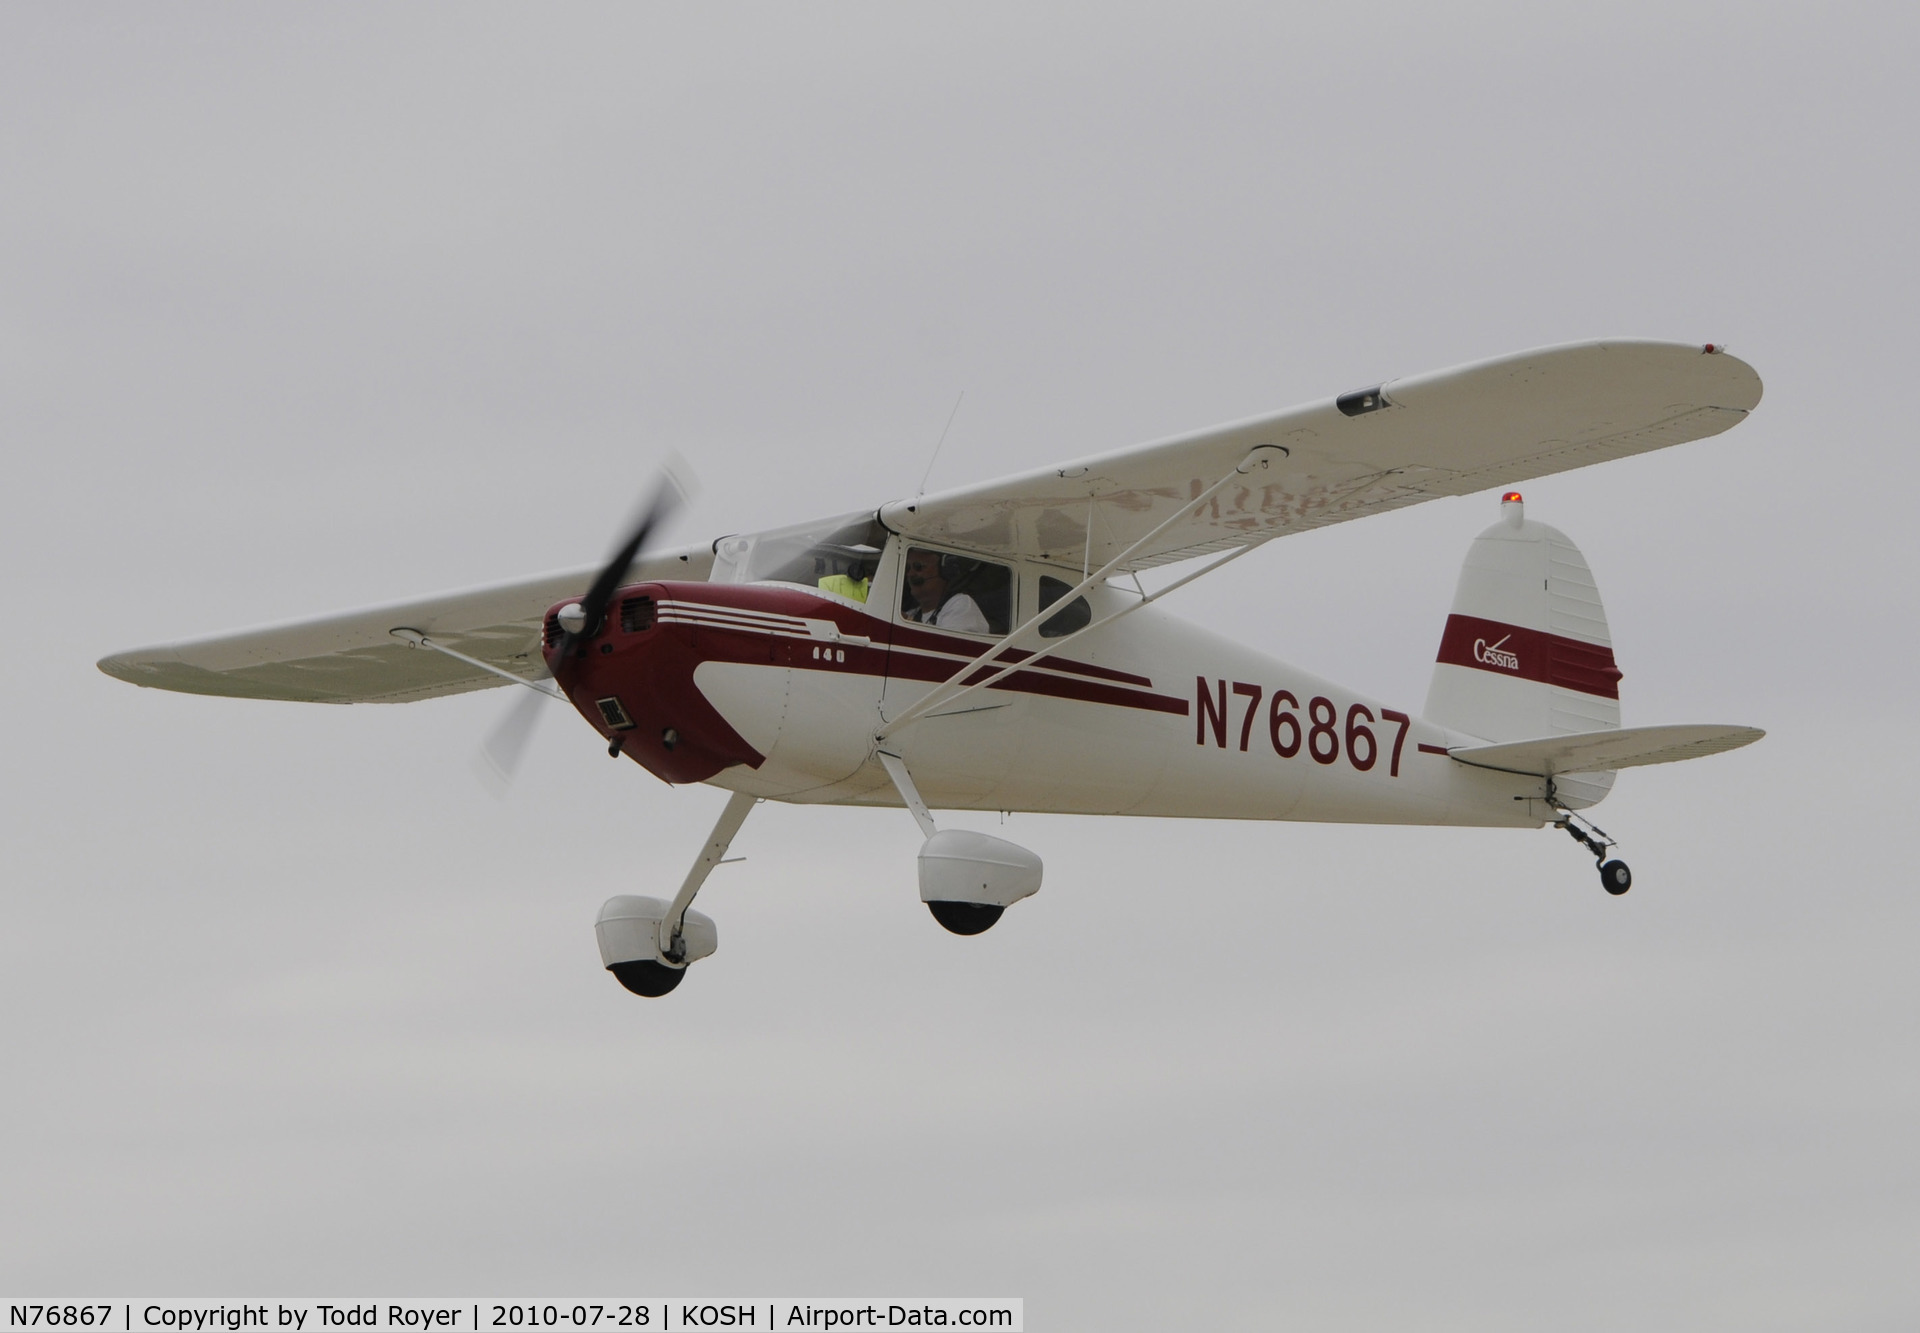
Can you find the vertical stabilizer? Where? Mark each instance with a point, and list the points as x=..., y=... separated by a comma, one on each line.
x=1526, y=653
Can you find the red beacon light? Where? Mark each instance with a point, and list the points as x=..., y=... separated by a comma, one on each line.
x=1510, y=498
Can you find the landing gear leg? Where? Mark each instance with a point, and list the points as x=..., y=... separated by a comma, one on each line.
x=1615, y=878
x=738, y=806
x=648, y=944
x=960, y=918
x=903, y=783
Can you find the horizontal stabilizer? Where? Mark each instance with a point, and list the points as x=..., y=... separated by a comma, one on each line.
x=1604, y=751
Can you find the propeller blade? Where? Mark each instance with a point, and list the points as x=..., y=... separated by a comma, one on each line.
x=668, y=496
x=507, y=743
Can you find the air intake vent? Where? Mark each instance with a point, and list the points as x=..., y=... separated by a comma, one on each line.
x=613, y=714
x=554, y=632
x=636, y=614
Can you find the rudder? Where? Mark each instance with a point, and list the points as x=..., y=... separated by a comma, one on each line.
x=1526, y=652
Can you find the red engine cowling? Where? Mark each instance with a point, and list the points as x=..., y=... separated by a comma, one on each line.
x=632, y=678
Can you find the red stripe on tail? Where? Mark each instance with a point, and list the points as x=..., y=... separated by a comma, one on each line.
x=1530, y=654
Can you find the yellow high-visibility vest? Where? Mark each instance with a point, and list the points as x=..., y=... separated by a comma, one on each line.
x=846, y=586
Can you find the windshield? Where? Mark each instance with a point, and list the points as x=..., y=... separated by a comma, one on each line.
x=837, y=554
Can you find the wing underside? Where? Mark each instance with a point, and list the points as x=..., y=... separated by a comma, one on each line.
x=353, y=657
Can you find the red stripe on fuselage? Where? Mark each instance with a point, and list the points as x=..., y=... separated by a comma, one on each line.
x=913, y=636
x=916, y=666
x=956, y=650
x=1529, y=654
x=678, y=735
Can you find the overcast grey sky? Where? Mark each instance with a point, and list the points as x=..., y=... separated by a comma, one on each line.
x=303, y=308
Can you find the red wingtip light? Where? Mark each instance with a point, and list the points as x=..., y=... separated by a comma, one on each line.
x=1511, y=497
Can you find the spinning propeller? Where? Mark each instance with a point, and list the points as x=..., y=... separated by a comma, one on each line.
x=507, y=743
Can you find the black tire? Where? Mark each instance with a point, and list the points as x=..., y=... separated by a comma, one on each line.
x=646, y=977
x=965, y=918
x=1615, y=878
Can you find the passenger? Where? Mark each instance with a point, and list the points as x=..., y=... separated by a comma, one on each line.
x=932, y=604
x=847, y=585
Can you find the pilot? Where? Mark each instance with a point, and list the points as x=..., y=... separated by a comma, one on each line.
x=932, y=604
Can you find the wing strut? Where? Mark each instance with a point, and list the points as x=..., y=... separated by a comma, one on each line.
x=413, y=638
x=950, y=689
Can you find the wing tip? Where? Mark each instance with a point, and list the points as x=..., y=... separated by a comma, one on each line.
x=134, y=667
x=163, y=669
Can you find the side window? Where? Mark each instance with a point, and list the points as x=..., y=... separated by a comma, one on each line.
x=1073, y=616
x=956, y=592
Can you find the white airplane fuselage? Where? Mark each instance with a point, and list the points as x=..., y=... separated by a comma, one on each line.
x=778, y=691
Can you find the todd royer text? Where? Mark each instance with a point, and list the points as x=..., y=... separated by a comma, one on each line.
x=296, y=1317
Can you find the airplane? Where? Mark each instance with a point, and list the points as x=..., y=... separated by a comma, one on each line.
x=992, y=647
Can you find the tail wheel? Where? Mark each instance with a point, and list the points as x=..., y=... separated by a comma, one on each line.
x=1615, y=878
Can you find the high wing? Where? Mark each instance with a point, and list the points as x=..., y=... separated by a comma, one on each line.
x=1452, y=432
x=352, y=657
x=1493, y=423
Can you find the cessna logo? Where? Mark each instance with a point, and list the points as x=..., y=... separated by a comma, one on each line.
x=1493, y=654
